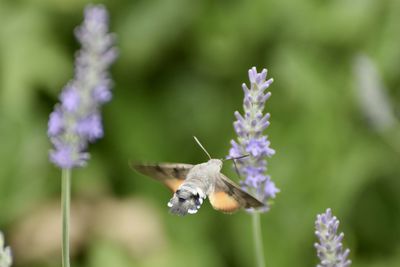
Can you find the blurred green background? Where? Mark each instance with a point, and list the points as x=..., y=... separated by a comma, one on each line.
x=179, y=74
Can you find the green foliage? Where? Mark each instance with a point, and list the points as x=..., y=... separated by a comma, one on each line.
x=179, y=74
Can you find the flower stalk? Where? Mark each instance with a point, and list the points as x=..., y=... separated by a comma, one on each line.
x=65, y=209
x=257, y=236
x=251, y=141
x=76, y=121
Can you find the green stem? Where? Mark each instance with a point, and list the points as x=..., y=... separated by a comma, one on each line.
x=258, y=243
x=65, y=207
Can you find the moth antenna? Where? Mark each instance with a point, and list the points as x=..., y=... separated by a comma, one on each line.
x=240, y=157
x=198, y=142
x=236, y=168
x=234, y=163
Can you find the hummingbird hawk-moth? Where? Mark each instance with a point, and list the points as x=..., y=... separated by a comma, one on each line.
x=191, y=184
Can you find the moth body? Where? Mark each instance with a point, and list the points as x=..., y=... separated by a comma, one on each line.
x=191, y=184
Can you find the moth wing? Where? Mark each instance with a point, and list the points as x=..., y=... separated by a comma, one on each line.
x=170, y=174
x=228, y=197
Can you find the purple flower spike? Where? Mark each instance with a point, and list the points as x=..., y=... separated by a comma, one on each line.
x=330, y=248
x=76, y=121
x=251, y=141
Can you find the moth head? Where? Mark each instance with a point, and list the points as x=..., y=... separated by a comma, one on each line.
x=185, y=201
x=215, y=165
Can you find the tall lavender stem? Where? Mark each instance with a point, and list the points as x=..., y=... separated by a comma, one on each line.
x=251, y=141
x=258, y=243
x=65, y=208
x=76, y=121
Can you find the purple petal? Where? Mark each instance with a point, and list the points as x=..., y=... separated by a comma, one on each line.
x=265, y=85
x=56, y=123
x=96, y=14
x=270, y=189
x=90, y=127
x=235, y=150
x=110, y=56
x=259, y=147
x=252, y=75
x=102, y=93
x=66, y=158
x=70, y=98
x=263, y=74
x=246, y=90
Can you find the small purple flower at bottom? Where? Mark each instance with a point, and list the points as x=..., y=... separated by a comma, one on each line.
x=330, y=248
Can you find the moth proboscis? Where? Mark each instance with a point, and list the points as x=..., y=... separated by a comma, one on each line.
x=191, y=184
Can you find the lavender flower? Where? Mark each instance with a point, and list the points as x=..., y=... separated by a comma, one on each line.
x=330, y=249
x=76, y=121
x=5, y=253
x=251, y=140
